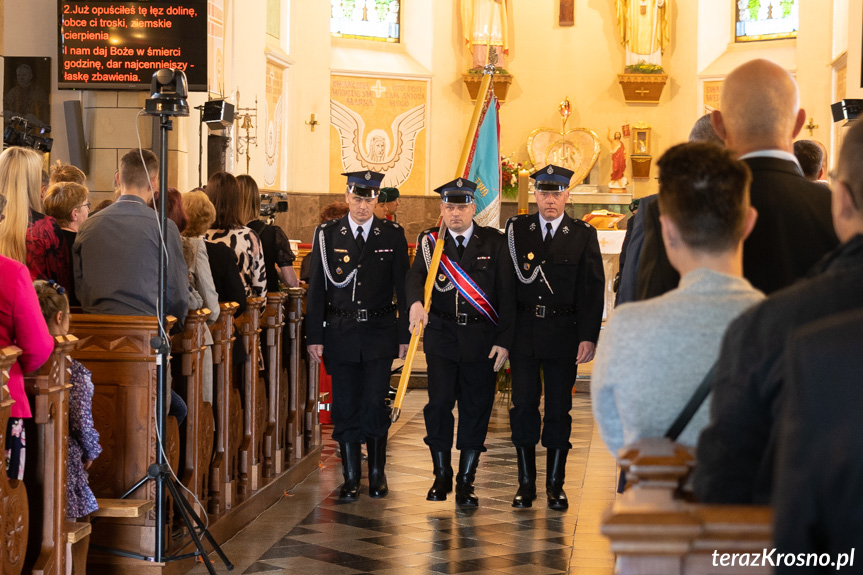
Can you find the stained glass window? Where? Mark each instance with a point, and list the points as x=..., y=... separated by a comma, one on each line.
x=766, y=19
x=366, y=19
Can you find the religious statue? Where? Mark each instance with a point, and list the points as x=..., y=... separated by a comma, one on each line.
x=643, y=27
x=618, y=161
x=483, y=24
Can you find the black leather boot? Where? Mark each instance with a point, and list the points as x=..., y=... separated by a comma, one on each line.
x=377, y=447
x=554, y=480
x=442, y=461
x=526, y=477
x=351, y=461
x=464, y=495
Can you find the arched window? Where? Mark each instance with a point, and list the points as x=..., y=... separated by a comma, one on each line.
x=765, y=19
x=366, y=19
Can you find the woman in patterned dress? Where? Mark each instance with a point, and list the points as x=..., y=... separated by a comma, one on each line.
x=224, y=192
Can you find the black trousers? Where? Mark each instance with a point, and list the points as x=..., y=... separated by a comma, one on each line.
x=469, y=383
x=524, y=417
x=359, y=390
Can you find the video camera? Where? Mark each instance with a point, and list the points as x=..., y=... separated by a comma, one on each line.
x=21, y=132
x=273, y=203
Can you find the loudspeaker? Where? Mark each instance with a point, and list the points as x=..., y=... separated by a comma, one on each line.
x=78, y=155
x=218, y=114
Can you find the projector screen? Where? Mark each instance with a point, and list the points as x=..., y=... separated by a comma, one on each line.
x=118, y=45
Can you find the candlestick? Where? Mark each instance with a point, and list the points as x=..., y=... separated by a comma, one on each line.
x=523, y=185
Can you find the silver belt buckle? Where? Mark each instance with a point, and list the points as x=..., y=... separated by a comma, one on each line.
x=362, y=315
x=540, y=311
x=461, y=318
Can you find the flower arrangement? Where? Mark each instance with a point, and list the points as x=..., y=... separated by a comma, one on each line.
x=509, y=177
x=643, y=68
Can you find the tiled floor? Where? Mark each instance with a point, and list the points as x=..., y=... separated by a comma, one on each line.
x=309, y=532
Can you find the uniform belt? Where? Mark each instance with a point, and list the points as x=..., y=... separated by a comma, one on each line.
x=459, y=318
x=545, y=311
x=362, y=314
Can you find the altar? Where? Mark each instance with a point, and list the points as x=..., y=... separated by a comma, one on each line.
x=610, y=244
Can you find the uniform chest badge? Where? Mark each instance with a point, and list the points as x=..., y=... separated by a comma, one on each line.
x=532, y=227
x=344, y=230
x=339, y=271
x=377, y=231
x=441, y=278
x=346, y=259
x=526, y=267
x=530, y=255
x=565, y=229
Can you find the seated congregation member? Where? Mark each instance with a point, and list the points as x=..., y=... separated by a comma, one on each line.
x=61, y=172
x=117, y=250
x=737, y=449
x=560, y=294
x=358, y=265
x=224, y=192
x=84, y=445
x=21, y=325
x=27, y=235
x=332, y=211
x=810, y=156
x=817, y=501
x=278, y=256
x=654, y=354
x=466, y=340
x=69, y=204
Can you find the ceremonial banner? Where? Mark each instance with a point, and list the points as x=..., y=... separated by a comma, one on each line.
x=483, y=165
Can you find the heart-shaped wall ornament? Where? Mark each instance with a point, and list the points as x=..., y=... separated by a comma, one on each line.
x=576, y=150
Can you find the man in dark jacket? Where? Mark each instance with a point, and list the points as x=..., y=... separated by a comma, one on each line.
x=358, y=264
x=559, y=291
x=736, y=451
x=467, y=337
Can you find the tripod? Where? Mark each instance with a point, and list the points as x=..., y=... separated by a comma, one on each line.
x=159, y=472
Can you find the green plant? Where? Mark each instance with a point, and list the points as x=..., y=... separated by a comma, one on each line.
x=644, y=68
x=479, y=70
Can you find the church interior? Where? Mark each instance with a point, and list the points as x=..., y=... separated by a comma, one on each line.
x=302, y=91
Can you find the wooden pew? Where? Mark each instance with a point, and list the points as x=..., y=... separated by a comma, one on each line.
x=273, y=324
x=223, y=470
x=255, y=407
x=653, y=528
x=13, y=497
x=298, y=376
x=48, y=389
x=188, y=355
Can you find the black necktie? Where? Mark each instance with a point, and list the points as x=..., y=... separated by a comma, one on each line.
x=360, y=239
x=460, y=240
x=547, y=239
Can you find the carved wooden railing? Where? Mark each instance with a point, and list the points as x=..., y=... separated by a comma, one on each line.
x=255, y=407
x=653, y=529
x=298, y=377
x=223, y=470
x=273, y=324
x=49, y=390
x=14, y=513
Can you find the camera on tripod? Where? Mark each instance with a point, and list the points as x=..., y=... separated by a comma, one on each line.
x=21, y=132
x=273, y=203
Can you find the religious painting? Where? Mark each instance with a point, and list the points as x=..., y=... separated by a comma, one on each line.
x=711, y=91
x=377, y=20
x=27, y=89
x=378, y=124
x=766, y=20
x=216, y=46
x=273, y=121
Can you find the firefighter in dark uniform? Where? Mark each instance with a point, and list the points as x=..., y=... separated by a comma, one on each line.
x=358, y=265
x=467, y=337
x=560, y=285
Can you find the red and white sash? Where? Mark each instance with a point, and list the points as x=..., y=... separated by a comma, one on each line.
x=465, y=285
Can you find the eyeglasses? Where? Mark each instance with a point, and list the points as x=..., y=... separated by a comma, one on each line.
x=87, y=205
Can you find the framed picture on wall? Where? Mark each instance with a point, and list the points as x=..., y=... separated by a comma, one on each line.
x=27, y=90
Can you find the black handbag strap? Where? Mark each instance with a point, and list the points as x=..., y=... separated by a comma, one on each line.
x=692, y=406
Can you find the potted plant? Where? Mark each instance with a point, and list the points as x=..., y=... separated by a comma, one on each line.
x=642, y=82
x=502, y=79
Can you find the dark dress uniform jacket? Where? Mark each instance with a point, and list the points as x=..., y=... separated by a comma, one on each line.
x=381, y=270
x=486, y=261
x=572, y=265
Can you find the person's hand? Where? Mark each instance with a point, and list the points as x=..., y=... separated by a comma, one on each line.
x=316, y=352
x=500, y=354
x=403, y=350
x=87, y=464
x=586, y=351
x=417, y=316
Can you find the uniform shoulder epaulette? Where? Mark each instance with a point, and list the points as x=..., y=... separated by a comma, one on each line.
x=390, y=223
x=495, y=230
x=584, y=223
x=519, y=217
x=329, y=223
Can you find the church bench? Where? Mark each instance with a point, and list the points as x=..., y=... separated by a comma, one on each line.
x=255, y=401
x=125, y=508
x=653, y=528
x=77, y=544
x=275, y=435
x=223, y=469
x=13, y=497
x=48, y=391
x=300, y=379
x=187, y=360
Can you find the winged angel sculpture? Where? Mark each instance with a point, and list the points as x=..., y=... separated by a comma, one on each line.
x=374, y=151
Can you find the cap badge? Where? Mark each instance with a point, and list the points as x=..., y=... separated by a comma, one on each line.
x=339, y=271
x=368, y=176
x=459, y=183
x=346, y=259
x=565, y=229
x=530, y=255
x=550, y=170
x=532, y=227
x=441, y=278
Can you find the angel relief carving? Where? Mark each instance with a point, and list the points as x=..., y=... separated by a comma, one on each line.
x=376, y=151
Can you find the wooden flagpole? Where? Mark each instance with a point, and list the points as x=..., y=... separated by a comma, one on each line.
x=438, y=250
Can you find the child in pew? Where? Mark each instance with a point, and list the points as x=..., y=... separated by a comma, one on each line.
x=83, y=438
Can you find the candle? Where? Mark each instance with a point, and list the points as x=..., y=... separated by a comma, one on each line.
x=523, y=185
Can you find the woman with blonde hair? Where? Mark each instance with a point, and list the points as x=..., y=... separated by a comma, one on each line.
x=27, y=235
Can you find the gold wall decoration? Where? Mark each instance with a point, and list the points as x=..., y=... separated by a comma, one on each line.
x=576, y=149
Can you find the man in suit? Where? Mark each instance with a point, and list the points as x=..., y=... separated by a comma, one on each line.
x=358, y=264
x=467, y=338
x=736, y=451
x=760, y=117
x=559, y=291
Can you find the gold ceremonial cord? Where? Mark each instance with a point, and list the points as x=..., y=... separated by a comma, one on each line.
x=438, y=250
